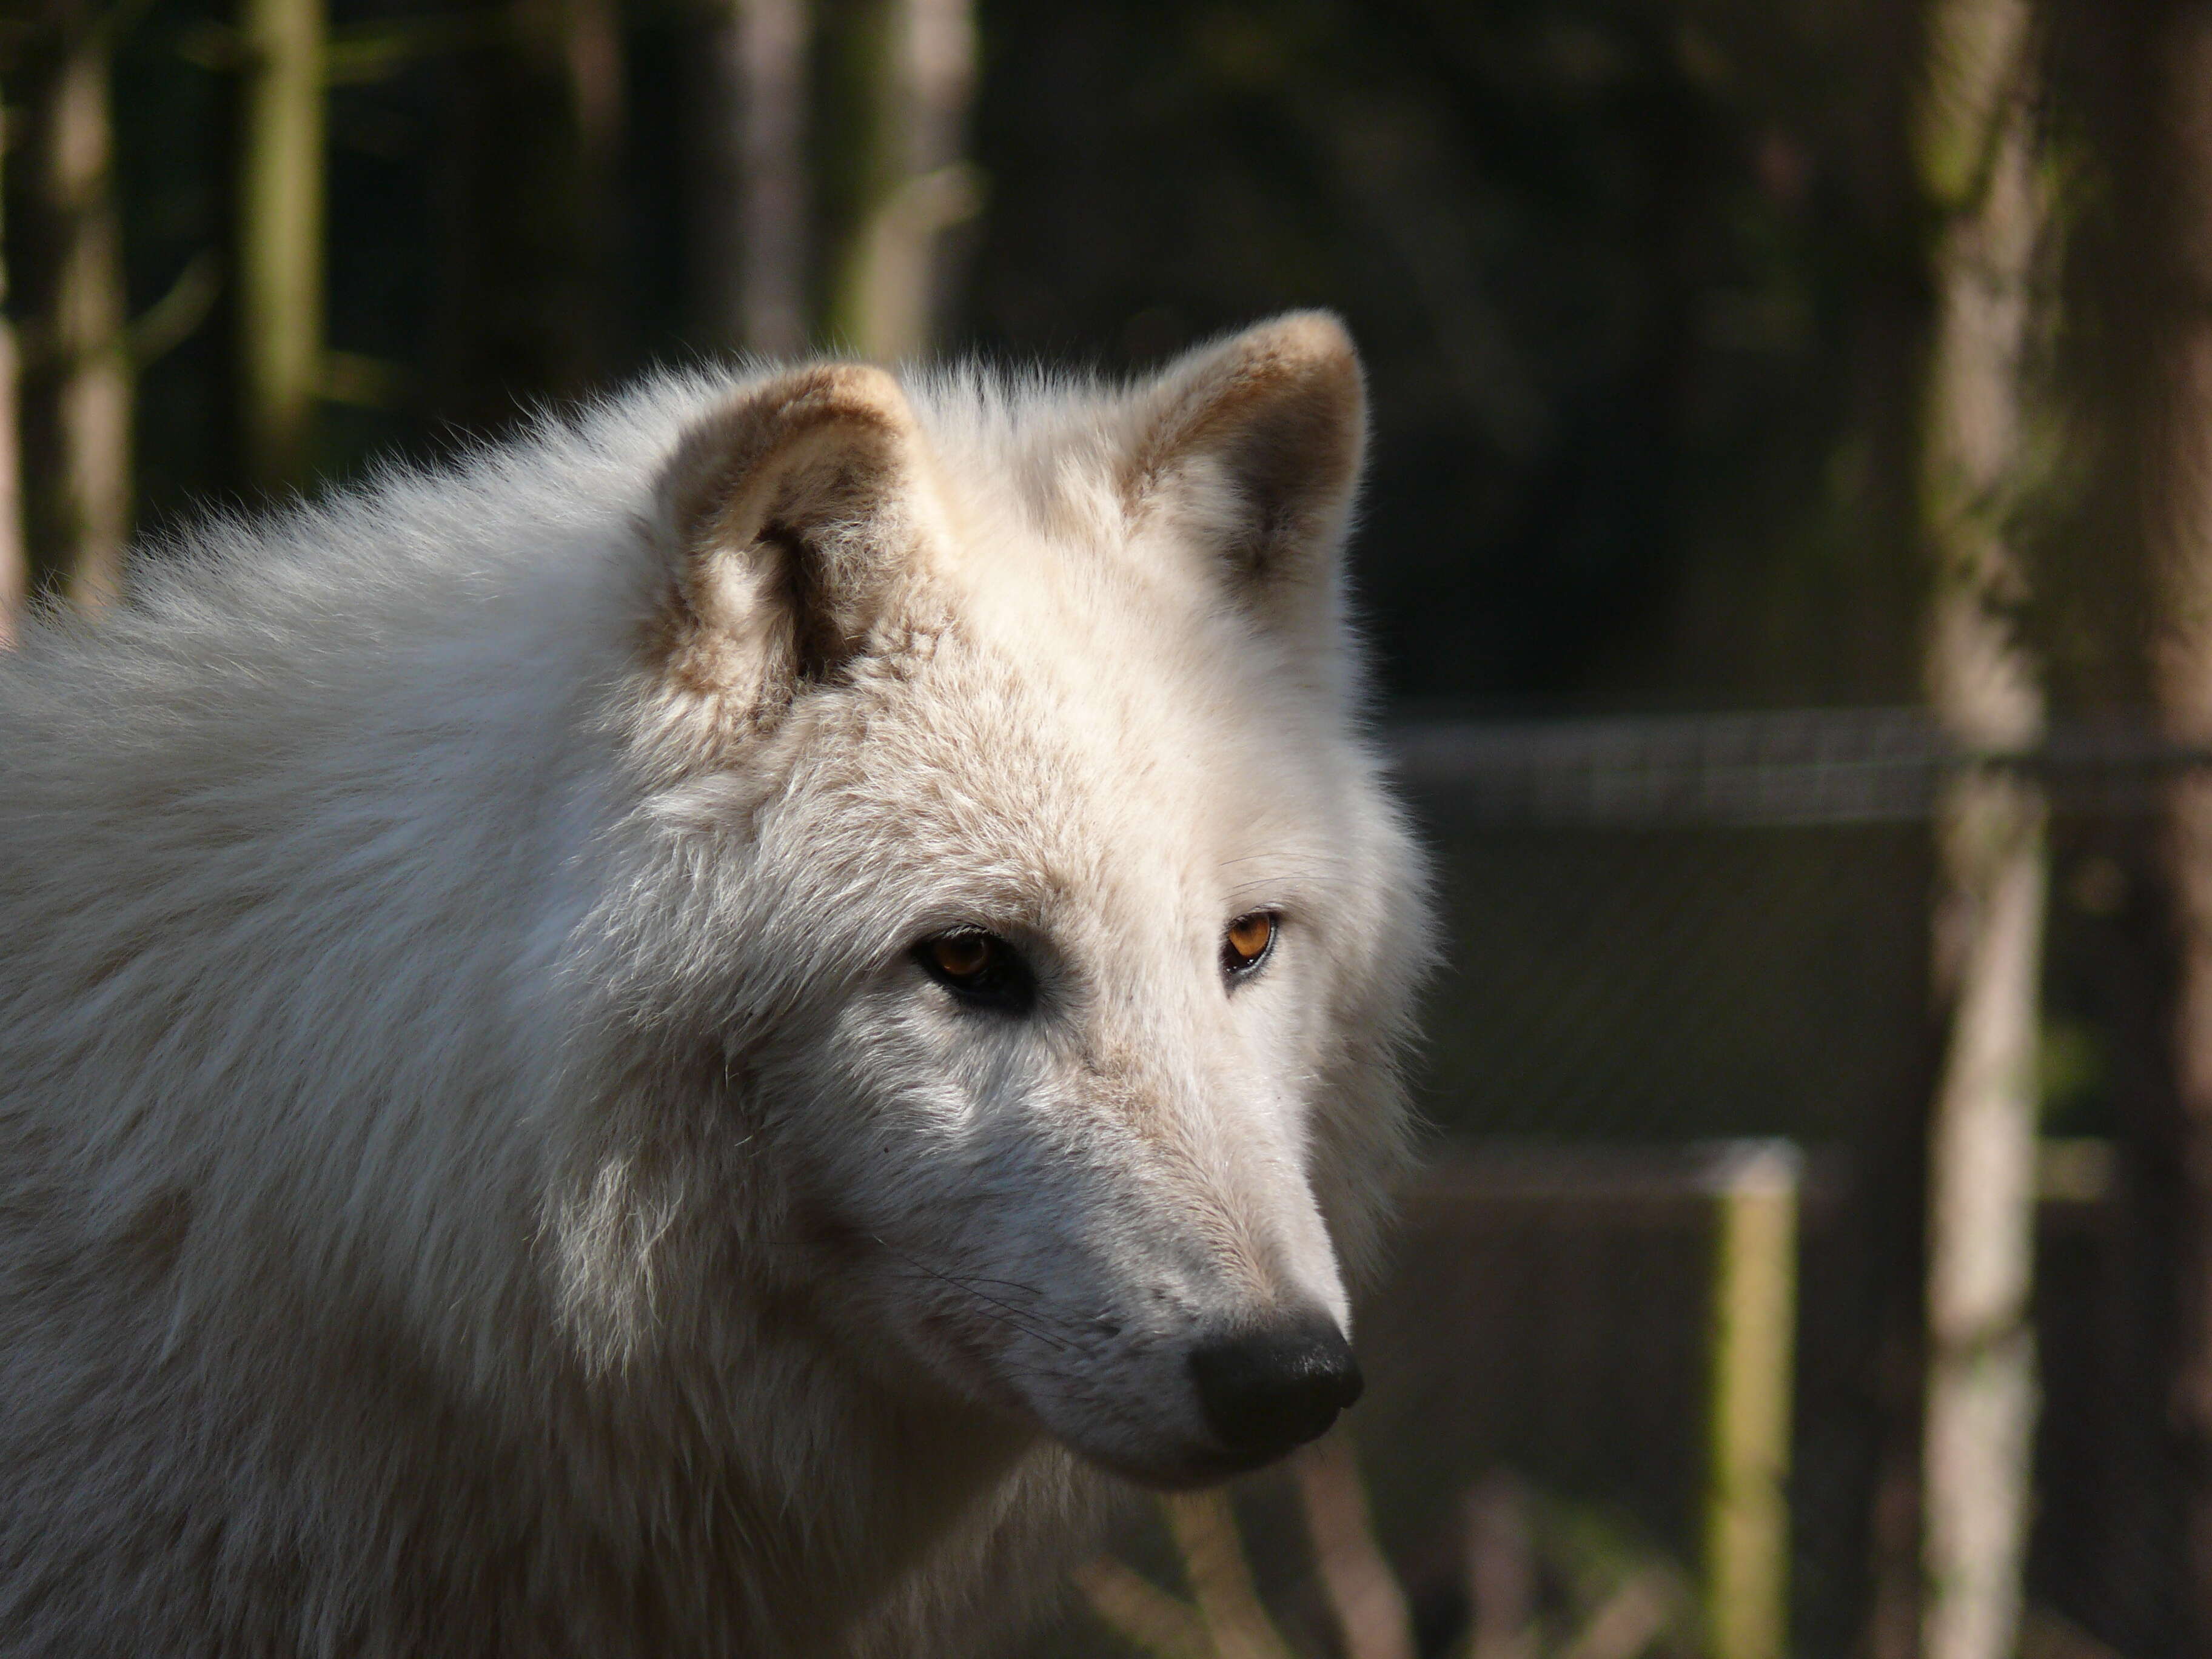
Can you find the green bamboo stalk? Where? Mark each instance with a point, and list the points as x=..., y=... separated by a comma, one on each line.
x=1754, y=1324
x=280, y=241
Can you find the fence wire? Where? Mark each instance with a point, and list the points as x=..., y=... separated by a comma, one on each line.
x=1804, y=768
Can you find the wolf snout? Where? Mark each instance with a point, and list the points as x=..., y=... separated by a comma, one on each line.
x=1266, y=1391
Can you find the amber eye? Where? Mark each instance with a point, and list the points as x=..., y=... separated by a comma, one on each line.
x=981, y=968
x=961, y=955
x=1248, y=942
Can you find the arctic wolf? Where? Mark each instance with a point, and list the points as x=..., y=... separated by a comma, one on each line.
x=693, y=1038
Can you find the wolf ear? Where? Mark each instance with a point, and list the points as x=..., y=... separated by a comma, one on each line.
x=791, y=517
x=1253, y=446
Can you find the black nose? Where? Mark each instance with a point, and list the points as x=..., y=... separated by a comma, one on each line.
x=1266, y=1391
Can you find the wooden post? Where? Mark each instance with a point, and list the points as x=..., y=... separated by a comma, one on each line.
x=280, y=239
x=1755, y=1301
x=1976, y=151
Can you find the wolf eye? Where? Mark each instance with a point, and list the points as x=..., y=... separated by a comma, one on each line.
x=980, y=968
x=1247, y=943
x=961, y=956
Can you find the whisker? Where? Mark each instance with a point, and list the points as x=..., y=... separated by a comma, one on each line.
x=1012, y=1314
x=1008, y=1283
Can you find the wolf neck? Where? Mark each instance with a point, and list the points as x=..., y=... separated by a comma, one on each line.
x=860, y=1483
x=810, y=1530
x=620, y=1509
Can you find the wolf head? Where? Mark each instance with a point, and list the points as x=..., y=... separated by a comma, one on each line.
x=1000, y=974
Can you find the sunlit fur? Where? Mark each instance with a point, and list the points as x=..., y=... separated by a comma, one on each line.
x=481, y=1168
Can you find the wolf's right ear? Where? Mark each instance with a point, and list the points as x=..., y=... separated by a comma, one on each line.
x=790, y=519
x=1252, y=447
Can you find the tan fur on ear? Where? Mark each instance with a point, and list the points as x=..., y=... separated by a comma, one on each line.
x=791, y=517
x=1256, y=444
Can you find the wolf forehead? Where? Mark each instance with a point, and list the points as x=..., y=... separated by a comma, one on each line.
x=970, y=792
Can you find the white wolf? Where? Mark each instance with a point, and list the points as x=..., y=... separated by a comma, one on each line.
x=683, y=1041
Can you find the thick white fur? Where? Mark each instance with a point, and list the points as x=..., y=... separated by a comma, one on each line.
x=480, y=1170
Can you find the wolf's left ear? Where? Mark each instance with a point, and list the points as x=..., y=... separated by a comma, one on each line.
x=1252, y=446
x=792, y=517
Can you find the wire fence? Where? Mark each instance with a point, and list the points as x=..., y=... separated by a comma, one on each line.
x=1802, y=768
x=1667, y=932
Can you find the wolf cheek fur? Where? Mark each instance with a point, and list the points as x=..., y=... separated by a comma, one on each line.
x=508, y=1143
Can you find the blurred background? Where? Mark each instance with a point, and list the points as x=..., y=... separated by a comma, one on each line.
x=1788, y=555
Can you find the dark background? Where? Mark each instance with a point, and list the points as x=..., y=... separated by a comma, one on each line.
x=1638, y=283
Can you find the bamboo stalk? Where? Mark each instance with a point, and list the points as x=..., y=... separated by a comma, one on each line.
x=1754, y=1336
x=887, y=301
x=280, y=256
x=76, y=385
x=1977, y=152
